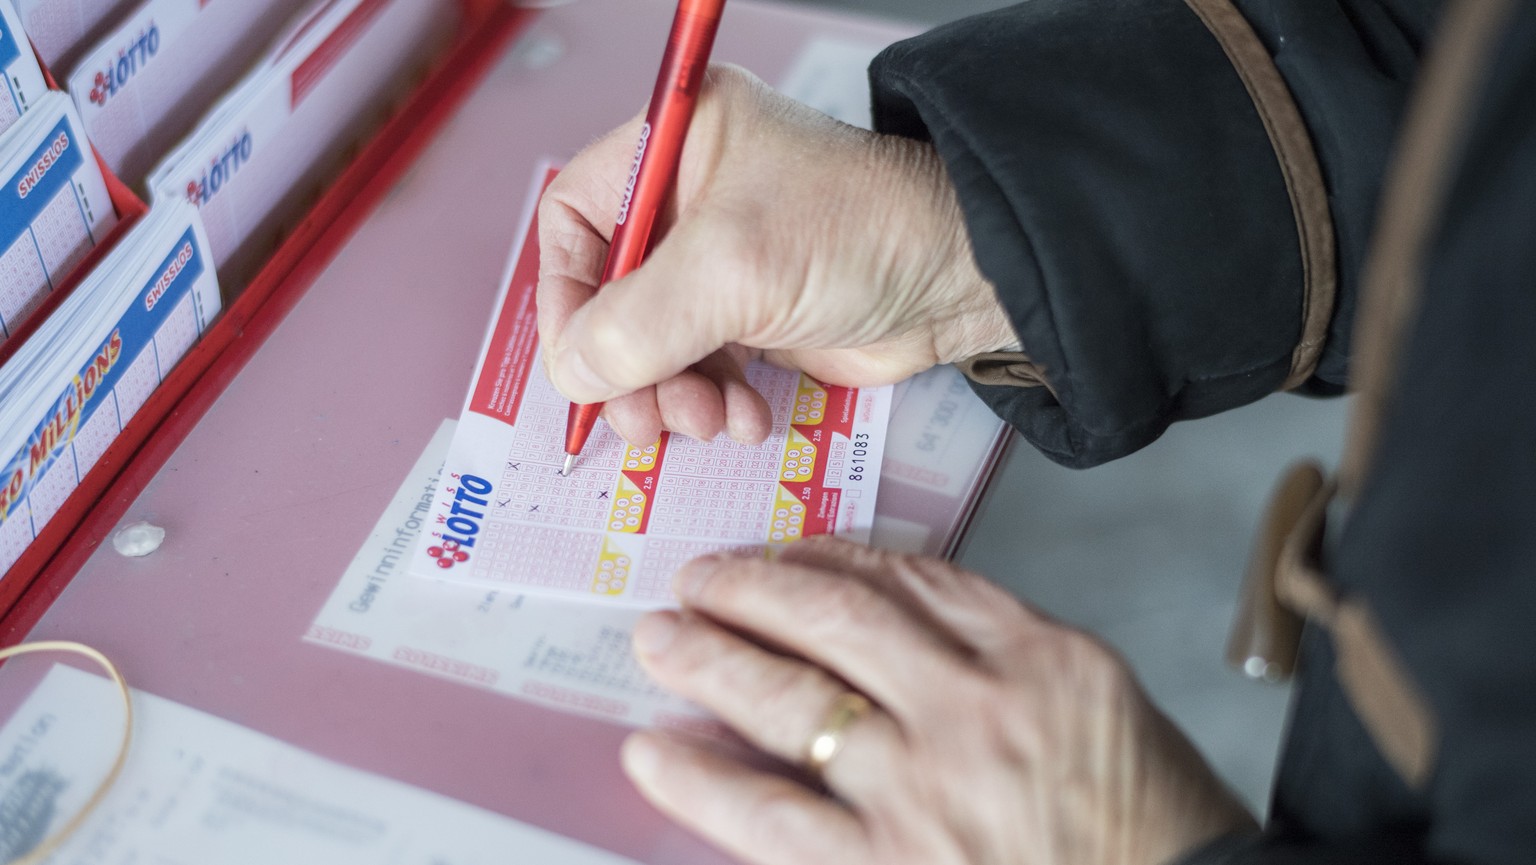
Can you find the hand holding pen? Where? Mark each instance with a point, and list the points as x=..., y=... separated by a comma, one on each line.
x=654, y=173
x=793, y=237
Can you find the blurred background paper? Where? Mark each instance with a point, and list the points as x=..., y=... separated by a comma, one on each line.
x=62, y=29
x=144, y=85
x=258, y=157
x=24, y=82
x=54, y=206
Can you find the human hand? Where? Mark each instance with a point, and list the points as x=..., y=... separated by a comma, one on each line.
x=827, y=248
x=997, y=736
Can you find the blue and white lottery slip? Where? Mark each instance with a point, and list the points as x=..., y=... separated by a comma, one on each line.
x=78, y=380
x=54, y=206
x=24, y=83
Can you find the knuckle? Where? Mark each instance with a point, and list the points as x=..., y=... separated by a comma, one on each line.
x=846, y=604
x=788, y=703
x=694, y=649
x=780, y=814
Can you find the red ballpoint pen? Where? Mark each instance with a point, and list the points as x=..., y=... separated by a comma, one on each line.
x=654, y=172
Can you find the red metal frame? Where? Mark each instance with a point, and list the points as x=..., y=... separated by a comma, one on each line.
x=164, y=421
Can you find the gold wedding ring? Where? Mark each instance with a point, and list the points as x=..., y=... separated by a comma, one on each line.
x=828, y=741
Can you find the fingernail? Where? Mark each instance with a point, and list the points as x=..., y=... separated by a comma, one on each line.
x=688, y=581
x=655, y=632
x=640, y=756
x=578, y=380
x=733, y=428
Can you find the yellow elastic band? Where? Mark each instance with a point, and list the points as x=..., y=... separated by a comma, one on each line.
x=52, y=842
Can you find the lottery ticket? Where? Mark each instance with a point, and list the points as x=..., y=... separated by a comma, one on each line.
x=53, y=209
x=61, y=29
x=283, y=131
x=141, y=88
x=24, y=82
x=627, y=517
x=565, y=655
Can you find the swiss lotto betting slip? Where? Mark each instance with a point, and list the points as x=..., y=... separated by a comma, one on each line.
x=627, y=518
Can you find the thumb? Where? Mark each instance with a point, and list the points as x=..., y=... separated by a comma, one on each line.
x=673, y=311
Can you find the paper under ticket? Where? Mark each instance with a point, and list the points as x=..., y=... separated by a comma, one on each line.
x=197, y=788
x=628, y=517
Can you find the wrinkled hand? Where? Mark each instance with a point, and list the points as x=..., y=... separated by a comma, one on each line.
x=999, y=736
x=828, y=248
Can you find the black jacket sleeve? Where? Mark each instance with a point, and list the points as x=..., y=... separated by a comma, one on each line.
x=1124, y=197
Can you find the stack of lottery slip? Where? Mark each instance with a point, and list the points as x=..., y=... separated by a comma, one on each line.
x=54, y=207
x=24, y=82
x=255, y=160
x=76, y=382
x=62, y=29
x=143, y=86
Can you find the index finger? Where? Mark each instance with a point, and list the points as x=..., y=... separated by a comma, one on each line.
x=576, y=220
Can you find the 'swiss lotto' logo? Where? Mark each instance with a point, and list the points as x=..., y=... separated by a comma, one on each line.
x=222, y=168
x=447, y=554
x=461, y=524
x=130, y=60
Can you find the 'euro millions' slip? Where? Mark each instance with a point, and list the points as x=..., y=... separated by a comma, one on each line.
x=77, y=381
x=138, y=88
x=53, y=209
x=24, y=82
x=253, y=159
x=628, y=517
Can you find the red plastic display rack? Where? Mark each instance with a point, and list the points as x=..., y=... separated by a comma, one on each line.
x=53, y=558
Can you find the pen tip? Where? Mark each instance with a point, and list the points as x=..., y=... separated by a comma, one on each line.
x=570, y=463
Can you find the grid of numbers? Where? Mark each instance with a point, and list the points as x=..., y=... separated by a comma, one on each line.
x=8, y=112
x=664, y=557
x=727, y=509
x=539, y=435
x=15, y=534
x=777, y=387
x=604, y=661
x=530, y=493
x=723, y=458
x=97, y=433
x=63, y=238
x=537, y=556
x=138, y=382
x=23, y=282
x=177, y=332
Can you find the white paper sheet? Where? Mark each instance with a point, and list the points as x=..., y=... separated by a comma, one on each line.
x=566, y=655
x=830, y=76
x=61, y=28
x=199, y=789
x=626, y=518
